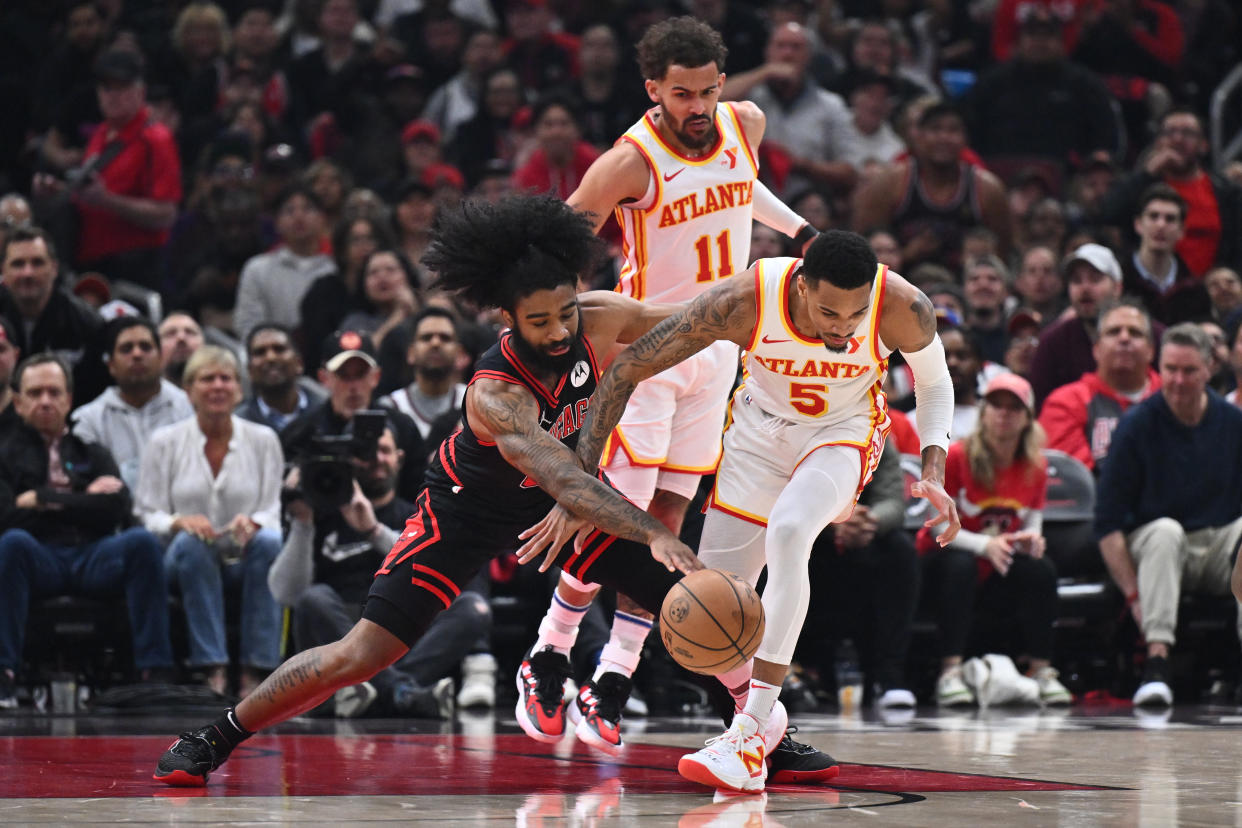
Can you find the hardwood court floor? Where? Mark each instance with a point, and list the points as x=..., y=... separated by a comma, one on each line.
x=1085, y=766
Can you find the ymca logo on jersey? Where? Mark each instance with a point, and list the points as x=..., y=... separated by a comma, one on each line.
x=579, y=374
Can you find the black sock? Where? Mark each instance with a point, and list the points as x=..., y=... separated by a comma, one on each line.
x=231, y=732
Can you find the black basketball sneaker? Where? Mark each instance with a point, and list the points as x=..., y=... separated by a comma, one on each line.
x=192, y=758
x=797, y=763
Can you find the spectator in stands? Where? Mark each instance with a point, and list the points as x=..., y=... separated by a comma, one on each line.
x=741, y=27
x=884, y=245
x=197, y=70
x=1065, y=347
x=542, y=55
x=124, y=416
x=280, y=391
x=931, y=198
x=210, y=486
x=767, y=243
x=389, y=300
x=207, y=277
x=803, y=118
x=1214, y=205
x=64, y=105
x=350, y=372
x=435, y=356
x=1039, y=285
x=560, y=157
x=985, y=285
x=9, y=356
x=876, y=46
x=1023, y=329
x=492, y=132
x=180, y=337
x=606, y=104
x=1038, y=106
x=272, y=284
x=414, y=212
x=130, y=183
x=869, y=142
x=324, y=572
x=1235, y=365
x=331, y=184
x=996, y=564
x=1043, y=224
x=44, y=317
x=1220, y=376
x=61, y=503
x=1010, y=14
x=334, y=295
x=869, y=566
x=1080, y=417
x=1154, y=272
x=14, y=211
x=320, y=79
x=1224, y=288
x=1167, y=513
x=455, y=102
x=256, y=42
x=965, y=361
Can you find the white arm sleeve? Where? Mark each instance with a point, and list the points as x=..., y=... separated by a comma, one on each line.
x=933, y=394
x=773, y=212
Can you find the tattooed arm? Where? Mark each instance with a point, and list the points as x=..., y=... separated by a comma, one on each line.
x=508, y=415
x=908, y=323
x=726, y=312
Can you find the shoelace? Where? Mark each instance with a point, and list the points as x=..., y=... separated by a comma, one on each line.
x=550, y=678
x=726, y=742
x=187, y=743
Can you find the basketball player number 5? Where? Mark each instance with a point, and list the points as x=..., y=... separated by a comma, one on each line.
x=704, y=248
x=809, y=398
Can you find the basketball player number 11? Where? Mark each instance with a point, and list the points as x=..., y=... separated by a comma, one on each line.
x=704, y=248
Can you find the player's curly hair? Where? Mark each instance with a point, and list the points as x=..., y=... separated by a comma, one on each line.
x=684, y=41
x=495, y=255
x=843, y=259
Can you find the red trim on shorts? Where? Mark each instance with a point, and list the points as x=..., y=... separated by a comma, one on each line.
x=444, y=599
x=440, y=576
x=423, y=526
x=582, y=569
x=447, y=465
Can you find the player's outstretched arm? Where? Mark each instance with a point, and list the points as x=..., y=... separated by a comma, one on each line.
x=617, y=176
x=726, y=312
x=509, y=415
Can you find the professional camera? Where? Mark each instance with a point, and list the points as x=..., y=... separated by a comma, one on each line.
x=327, y=468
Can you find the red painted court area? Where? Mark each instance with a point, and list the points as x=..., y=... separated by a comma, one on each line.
x=409, y=765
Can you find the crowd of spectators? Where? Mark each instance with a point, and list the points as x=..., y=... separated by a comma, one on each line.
x=216, y=214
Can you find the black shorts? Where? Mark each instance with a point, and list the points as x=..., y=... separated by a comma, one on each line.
x=447, y=541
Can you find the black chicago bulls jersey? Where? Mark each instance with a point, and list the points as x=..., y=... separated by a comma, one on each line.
x=474, y=470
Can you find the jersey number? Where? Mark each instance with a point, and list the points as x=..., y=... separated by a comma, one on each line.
x=704, y=248
x=809, y=398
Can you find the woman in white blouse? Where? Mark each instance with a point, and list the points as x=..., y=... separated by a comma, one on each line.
x=210, y=486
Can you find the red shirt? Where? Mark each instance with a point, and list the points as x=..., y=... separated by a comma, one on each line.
x=147, y=167
x=1202, y=237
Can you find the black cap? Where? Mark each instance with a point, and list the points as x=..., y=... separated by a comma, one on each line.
x=119, y=66
x=342, y=346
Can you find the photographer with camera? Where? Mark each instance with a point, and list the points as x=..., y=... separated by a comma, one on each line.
x=324, y=573
x=350, y=372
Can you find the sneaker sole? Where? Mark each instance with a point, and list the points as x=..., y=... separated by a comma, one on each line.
x=793, y=777
x=529, y=727
x=182, y=779
x=589, y=736
x=700, y=773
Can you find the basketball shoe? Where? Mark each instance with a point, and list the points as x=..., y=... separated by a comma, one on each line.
x=541, y=694
x=793, y=762
x=191, y=759
x=732, y=760
x=597, y=711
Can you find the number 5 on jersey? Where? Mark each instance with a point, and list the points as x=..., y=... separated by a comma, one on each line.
x=703, y=246
x=810, y=398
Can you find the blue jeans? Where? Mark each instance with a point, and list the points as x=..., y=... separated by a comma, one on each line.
x=196, y=570
x=129, y=562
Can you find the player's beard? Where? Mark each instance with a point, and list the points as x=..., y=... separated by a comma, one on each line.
x=542, y=360
x=707, y=139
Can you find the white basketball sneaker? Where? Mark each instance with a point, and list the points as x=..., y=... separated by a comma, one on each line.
x=733, y=760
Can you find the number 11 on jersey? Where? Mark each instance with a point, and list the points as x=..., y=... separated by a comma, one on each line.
x=704, y=248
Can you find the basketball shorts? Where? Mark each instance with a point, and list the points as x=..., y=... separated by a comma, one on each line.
x=673, y=421
x=761, y=452
x=449, y=539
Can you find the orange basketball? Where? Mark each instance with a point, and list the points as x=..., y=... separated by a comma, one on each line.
x=711, y=622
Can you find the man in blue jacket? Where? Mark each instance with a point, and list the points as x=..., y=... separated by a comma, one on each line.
x=1168, y=514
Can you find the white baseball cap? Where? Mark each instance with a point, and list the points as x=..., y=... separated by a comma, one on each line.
x=1096, y=255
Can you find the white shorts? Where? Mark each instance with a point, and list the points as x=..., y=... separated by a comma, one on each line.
x=761, y=452
x=673, y=420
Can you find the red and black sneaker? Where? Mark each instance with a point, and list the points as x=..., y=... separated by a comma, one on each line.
x=796, y=763
x=192, y=758
x=597, y=711
x=541, y=694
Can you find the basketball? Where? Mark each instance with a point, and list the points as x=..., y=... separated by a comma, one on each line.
x=711, y=622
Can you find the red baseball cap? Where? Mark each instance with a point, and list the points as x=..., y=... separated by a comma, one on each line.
x=1015, y=385
x=420, y=130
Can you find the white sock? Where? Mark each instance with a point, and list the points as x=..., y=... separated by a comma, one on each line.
x=761, y=700
x=737, y=682
x=559, y=628
x=625, y=646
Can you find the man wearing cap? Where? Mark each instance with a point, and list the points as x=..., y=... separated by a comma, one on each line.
x=1065, y=347
x=9, y=355
x=351, y=373
x=128, y=187
x=1079, y=418
x=44, y=317
x=1167, y=513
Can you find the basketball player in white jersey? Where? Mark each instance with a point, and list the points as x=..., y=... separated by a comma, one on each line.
x=683, y=185
x=805, y=432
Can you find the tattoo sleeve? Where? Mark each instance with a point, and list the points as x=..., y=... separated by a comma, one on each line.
x=713, y=316
x=512, y=416
x=924, y=314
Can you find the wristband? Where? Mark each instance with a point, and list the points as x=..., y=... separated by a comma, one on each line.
x=804, y=235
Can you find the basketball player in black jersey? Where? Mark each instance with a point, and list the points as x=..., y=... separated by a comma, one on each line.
x=495, y=477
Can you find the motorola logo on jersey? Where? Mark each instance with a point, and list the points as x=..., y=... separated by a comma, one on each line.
x=579, y=374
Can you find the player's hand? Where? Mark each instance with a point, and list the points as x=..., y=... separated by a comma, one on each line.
x=551, y=533
x=999, y=553
x=946, y=509
x=675, y=555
